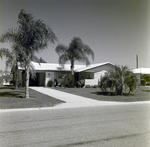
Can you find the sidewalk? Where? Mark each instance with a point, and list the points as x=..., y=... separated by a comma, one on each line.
x=72, y=100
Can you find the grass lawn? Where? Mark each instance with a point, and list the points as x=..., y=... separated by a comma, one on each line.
x=11, y=98
x=140, y=94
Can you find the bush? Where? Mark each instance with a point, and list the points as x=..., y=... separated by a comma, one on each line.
x=143, y=82
x=95, y=86
x=50, y=83
x=117, y=78
x=70, y=84
x=147, y=83
x=19, y=83
x=87, y=86
x=12, y=82
x=80, y=83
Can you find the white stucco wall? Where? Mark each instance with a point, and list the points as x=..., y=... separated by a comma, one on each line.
x=97, y=77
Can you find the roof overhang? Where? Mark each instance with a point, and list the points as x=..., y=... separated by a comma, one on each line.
x=141, y=71
x=43, y=67
x=94, y=66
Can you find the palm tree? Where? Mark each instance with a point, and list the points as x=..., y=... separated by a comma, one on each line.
x=12, y=60
x=32, y=37
x=76, y=51
x=15, y=56
x=130, y=80
x=118, y=78
x=117, y=75
x=4, y=76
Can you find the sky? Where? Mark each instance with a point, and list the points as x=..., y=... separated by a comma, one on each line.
x=116, y=30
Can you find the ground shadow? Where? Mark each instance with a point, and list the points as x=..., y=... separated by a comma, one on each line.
x=110, y=93
x=10, y=91
x=7, y=87
x=146, y=90
x=102, y=93
x=12, y=94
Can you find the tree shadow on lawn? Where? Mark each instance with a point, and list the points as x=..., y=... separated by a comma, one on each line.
x=109, y=96
x=7, y=87
x=146, y=90
x=12, y=94
x=12, y=98
x=10, y=91
x=137, y=95
x=110, y=93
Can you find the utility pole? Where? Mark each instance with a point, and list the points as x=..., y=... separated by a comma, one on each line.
x=137, y=66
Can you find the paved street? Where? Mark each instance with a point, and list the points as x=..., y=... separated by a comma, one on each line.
x=102, y=126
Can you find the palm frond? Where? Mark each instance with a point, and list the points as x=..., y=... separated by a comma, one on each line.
x=61, y=49
x=34, y=34
x=76, y=51
x=42, y=60
x=4, y=52
x=32, y=71
x=9, y=36
x=88, y=51
x=35, y=59
x=63, y=59
x=84, y=59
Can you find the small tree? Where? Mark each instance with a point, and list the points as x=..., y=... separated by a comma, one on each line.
x=118, y=78
x=76, y=51
x=145, y=79
x=12, y=60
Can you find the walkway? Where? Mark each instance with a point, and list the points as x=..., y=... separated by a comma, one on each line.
x=71, y=99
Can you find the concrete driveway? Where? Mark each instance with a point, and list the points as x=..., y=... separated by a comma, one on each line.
x=71, y=99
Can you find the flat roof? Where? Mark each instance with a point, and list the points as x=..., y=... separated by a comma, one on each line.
x=141, y=70
x=53, y=66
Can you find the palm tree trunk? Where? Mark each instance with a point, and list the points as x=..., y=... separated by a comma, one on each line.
x=129, y=91
x=122, y=84
x=72, y=71
x=27, y=82
x=16, y=76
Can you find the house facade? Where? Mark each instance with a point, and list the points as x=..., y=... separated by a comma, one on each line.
x=49, y=71
x=139, y=72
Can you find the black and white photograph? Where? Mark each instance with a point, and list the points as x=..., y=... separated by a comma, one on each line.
x=74, y=73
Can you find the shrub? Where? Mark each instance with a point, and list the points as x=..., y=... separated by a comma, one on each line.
x=143, y=82
x=70, y=84
x=19, y=83
x=80, y=83
x=50, y=83
x=148, y=84
x=95, y=86
x=12, y=82
x=87, y=86
x=118, y=78
x=62, y=84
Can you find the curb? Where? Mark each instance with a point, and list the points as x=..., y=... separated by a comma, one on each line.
x=61, y=107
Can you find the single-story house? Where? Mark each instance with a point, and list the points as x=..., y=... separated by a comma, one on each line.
x=141, y=71
x=50, y=71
